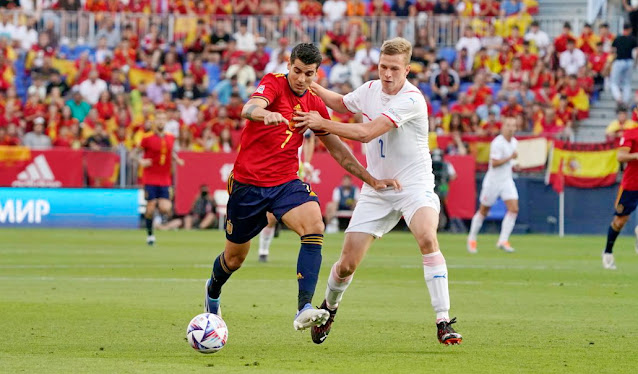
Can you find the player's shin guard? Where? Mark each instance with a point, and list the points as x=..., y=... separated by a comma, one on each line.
x=507, y=226
x=475, y=227
x=435, y=271
x=308, y=265
x=336, y=287
x=265, y=238
x=149, y=225
x=612, y=234
x=219, y=276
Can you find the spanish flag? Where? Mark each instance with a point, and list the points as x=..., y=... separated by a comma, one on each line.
x=137, y=76
x=584, y=165
x=13, y=160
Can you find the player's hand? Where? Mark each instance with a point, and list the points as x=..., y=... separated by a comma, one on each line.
x=146, y=162
x=274, y=118
x=311, y=120
x=386, y=184
x=179, y=161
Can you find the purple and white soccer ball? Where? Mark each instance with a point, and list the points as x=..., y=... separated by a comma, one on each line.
x=207, y=333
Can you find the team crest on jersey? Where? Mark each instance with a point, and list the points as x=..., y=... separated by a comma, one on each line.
x=260, y=89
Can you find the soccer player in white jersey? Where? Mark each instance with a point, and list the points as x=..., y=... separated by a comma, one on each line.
x=498, y=182
x=395, y=129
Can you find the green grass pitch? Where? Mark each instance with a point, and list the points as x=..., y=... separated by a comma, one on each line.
x=102, y=301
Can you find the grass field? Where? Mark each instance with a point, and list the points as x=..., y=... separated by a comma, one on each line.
x=102, y=301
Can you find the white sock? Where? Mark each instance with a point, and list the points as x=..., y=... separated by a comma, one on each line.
x=435, y=272
x=475, y=227
x=265, y=238
x=507, y=226
x=336, y=287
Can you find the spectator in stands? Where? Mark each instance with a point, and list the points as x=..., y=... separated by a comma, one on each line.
x=279, y=65
x=38, y=88
x=245, y=40
x=227, y=87
x=621, y=69
x=37, y=138
x=79, y=107
x=462, y=68
x=478, y=92
x=346, y=70
x=525, y=96
x=260, y=58
x=444, y=7
x=618, y=126
x=188, y=90
x=538, y=37
x=560, y=42
x=245, y=73
x=600, y=64
x=445, y=82
x=92, y=88
x=488, y=106
x=334, y=11
x=572, y=58
x=514, y=78
x=606, y=37
x=226, y=141
x=632, y=9
x=491, y=41
x=109, y=32
x=99, y=140
x=203, y=212
x=220, y=37
x=471, y=43
x=402, y=8
x=9, y=135
x=368, y=56
x=344, y=198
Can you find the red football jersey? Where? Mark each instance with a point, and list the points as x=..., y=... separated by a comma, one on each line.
x=268, y=154
x=159, y=149
x=630, y=177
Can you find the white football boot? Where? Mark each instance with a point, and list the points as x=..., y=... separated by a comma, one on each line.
x=309, y=316
x=608, y=261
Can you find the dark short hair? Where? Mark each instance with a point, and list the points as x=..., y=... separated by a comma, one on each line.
x=307, y=53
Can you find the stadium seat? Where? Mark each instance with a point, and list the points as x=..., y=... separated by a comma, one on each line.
x=496, y=88
x=448, y=53
x=221, y=201
x=426, y=89
x=435, y=107
x=464, y=86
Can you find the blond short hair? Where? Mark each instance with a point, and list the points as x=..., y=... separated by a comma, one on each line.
x=397, y=46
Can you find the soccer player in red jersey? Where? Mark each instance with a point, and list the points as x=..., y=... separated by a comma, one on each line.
x=157, y=176
x=627, y=194
x=265, y=180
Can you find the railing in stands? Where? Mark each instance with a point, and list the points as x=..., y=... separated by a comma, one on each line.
x=82, y=27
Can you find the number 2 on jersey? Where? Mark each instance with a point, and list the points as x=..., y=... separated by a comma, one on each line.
x=381, y=144
x=287, y=138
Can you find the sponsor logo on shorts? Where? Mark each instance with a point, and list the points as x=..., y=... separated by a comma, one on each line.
x=229, y=227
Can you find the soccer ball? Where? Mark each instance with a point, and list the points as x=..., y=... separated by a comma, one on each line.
x=207, y=333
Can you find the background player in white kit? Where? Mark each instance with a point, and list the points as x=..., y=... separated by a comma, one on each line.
x=498, y=182
x=396, y=130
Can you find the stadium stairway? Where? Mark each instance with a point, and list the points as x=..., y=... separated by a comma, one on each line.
x=601, y=113
x=561, y=8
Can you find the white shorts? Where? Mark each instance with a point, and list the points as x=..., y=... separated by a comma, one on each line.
x=491, y=191
x=376, y=213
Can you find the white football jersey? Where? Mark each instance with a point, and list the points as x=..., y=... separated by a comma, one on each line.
x=500, y=148
x=402, y=153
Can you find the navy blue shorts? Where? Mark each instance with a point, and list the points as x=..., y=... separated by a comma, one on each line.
x=626, y=202
x=153, y=192
x=248, y=204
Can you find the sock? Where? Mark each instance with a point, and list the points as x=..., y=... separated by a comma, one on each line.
x=507, y=226
x=265, y=238
x=308, y=265
x=475, y=227
x=149, y=225
x=435, y=272
x=612, y=234
x=336, y=287
x=219, y=276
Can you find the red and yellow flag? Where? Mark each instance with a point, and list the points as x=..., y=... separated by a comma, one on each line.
x=584, y=165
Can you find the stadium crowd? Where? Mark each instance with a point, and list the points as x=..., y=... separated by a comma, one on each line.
x=104, y=95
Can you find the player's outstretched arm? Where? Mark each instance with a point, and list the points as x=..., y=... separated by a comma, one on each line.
x=346, y=159
x=255, y=110
x=361, y=132
x=332, y=99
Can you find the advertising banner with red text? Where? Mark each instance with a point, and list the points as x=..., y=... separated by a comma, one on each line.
x=24, y=167
x=324, y=175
